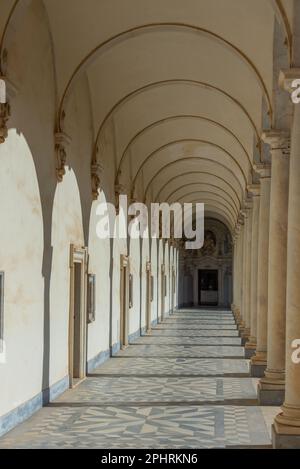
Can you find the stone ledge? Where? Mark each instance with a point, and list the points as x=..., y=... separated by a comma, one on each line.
x=273, y=397
x=257, y=371
x=284, y=441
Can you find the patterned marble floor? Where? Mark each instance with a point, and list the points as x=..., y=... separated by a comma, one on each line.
x=178, y=387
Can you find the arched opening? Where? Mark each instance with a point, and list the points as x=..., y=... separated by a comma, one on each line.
x=205, y=275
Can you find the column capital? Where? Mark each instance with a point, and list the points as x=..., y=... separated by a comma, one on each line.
x=287, y=77
x=237, y=229
x=7, y=91
x=277, y=139
x=240, y=219
x=254, y=190
x=263, y=169
x=96, y=173
x=247, y=205
x=61, y=141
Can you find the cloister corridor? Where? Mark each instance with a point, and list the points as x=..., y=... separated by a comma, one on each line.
x=149, y=225
x=185, y=385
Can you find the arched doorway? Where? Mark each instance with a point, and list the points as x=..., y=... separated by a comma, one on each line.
x=207, y=272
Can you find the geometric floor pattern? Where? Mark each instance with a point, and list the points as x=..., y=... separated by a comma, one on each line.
x=185, y=385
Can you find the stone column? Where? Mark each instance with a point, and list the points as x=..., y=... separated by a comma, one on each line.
x=245, y=331
x=240, y=269
x=259, y=360
x=271, y=387
x=250, y=346
x=286, y=428
x=236, y=307
x=235, y=281
x=239, y=318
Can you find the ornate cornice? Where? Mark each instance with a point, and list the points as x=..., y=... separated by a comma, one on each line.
x=4, y=110
x=254, y=190
x=277, y=140
x=119, y=190
x=286, y=78
x=247, y=205
x=263, y=169
x=4, y=116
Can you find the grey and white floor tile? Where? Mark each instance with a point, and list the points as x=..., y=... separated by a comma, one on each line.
x=185, y=385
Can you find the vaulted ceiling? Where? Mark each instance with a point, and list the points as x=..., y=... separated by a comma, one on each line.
x=187, y=84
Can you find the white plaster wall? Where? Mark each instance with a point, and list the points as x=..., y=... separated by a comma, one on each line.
x=145, y=259
x=167, y=273
x=21, y=254
x=99, y=264
x=119, y=248
x=170, y=275
x=176, y=263
x=159, y=280
x=27, y=179
x=154, y=266
x=135, y=311
x=66, y=230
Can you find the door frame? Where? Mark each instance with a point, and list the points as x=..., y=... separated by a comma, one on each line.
x=124, y=300
x=216, y=271
x=78, y=255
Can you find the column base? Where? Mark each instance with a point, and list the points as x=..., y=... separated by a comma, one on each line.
x=286, y=428
x=250, y=347
x=258, y=365
x=284, y=441
x=271, y=389
x=245, y=334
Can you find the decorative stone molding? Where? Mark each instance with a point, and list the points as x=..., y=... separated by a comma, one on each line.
x=4, y=110
x=286, y=78
x=263, y=169
x=254, y=190
x=277, y=140
x=237, y=229
x=7, y=92
x=96, y=172
x=240, y=220
x=119, y=190
x=62, y=140
x=247, y=205
x=4, y=116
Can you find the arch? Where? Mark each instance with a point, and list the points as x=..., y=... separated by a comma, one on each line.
x=211, y=193
x=187, y=140
x=192, y=173
x=202, y=183
x=212, y=202
x=211, y=208
x=188, y=159
x=166, y=119
x=280, y=12
x=219, y=217
x=11, y=12
x=120, y=37
x=161, y=83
